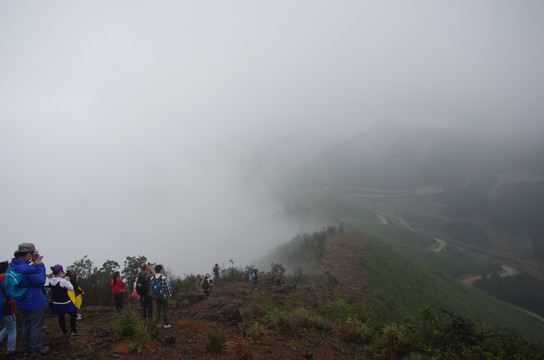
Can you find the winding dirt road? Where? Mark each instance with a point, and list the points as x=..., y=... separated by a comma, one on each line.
x=441, y=245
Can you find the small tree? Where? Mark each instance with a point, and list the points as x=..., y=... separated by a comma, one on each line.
x=110, y=266
x=132, y=267
x=232, y=274
x=84, y=267
x=95, y=282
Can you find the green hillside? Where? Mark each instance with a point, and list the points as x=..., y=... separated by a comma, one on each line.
x=407, y=277
x=400, y=287
x=407, y=288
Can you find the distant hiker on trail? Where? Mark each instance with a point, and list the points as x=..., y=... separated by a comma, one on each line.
x=76, y=294
x=161, y=293
x=255, y=275
x=216, y=273
x=28, y=262
x=118, y=288
x=8, y=317
x=245, y=276
x=211, y=281
x=143, y=288
x=206, y=286
x=279, y=277
x=61, y=303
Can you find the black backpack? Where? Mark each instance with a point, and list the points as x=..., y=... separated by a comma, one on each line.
x=205, y=285
x=142, y=285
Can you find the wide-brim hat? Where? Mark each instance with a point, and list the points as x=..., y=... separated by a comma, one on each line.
x=26, y=247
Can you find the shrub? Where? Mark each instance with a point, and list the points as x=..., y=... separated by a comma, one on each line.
x=338, y=311
x=130, y=324
x=257, y=332
x=302, y=319
x=183, y=285
x=393, y=337
x=239, y=348
x=128, y=321
x=145, y=332
x=295, y=323
x=281, y=322
x=215, y=340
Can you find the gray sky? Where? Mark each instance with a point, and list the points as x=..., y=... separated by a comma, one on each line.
x=146, y=128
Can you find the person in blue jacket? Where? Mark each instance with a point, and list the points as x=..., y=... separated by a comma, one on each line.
x=27, y=262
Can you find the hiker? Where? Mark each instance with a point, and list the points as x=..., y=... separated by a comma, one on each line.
x=206, y=286
x=211, y=282
x=161, y=292
x=61, y=303
x=255, y=276
x=245, y=276
x=8, y=317
x=216, y=273
x=28, y=262
x=143, y=288
x=279, y=278
x=75, y=295
x=118, y=288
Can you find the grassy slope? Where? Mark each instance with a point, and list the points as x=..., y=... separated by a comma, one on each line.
x=407, y=286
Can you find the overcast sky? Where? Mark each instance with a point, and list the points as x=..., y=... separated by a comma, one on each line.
x=136, y=127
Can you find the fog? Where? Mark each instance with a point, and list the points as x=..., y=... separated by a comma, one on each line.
x=152, y=128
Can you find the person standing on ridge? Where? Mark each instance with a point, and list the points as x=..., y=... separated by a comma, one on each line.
x=8, y=317
x=118, y=288
x=205, y=284
x=245, y=276
x=161, y=292
x=255, y=278
x=61, y=303
x=279, y=277
x=77, y=294
x=28, y=262
x=216, y=273
x=143, y=288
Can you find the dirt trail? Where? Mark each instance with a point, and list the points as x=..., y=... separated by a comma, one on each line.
x=382, y=219
x=506, y=271
x=382, y=214
x=440, y=247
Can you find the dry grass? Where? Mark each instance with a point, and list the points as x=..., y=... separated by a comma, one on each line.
x=239, y=348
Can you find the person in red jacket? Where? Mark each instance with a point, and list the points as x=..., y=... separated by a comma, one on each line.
x=8, y=317
x=118, y=288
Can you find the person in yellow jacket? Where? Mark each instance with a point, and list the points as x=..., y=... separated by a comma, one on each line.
x=76, y=294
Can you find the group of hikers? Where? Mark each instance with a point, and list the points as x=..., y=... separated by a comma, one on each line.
x=150, y=284
x=23, y=284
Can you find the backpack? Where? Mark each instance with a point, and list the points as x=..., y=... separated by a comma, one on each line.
x=142, y=285
x=11, y=284
x=205, y=285
x=157, y=287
